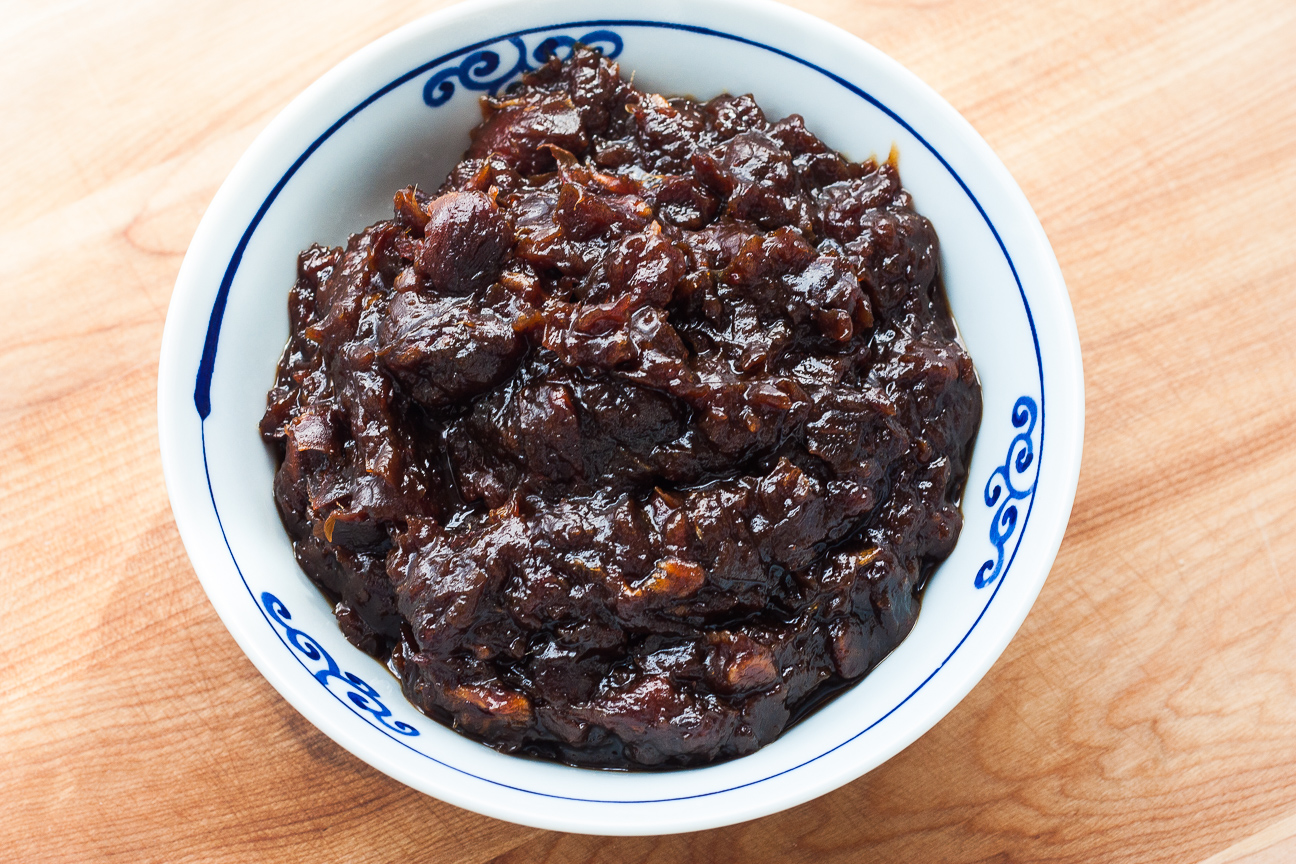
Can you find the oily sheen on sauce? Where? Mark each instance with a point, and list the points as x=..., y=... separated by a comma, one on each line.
x=639, y=438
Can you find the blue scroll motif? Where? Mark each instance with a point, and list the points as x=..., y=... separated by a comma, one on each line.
x=1008, y=484
x=480, y=69
x=361, y=694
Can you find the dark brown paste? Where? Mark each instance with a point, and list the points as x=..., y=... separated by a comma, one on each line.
x=636, y=440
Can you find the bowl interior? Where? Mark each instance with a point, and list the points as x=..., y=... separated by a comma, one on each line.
x=399, y=113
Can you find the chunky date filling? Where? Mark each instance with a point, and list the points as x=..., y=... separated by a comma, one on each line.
x=639, y=438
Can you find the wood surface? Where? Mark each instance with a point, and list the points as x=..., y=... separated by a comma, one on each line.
x=1145, y=712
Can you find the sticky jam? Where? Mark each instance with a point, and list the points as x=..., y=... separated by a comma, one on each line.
x=636, y=440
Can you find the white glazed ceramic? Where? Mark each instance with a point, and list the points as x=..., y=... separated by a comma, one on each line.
x=398, y=112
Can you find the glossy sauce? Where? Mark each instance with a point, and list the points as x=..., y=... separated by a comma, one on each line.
x=640, y=437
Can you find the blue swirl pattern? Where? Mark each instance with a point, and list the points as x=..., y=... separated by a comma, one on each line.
x=360, y=692
x=1008, y=484
x=480, y=69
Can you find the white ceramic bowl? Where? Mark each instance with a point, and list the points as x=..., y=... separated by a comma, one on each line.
x=398, y=112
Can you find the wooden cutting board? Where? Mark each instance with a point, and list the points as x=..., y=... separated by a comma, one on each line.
x=1145, y=712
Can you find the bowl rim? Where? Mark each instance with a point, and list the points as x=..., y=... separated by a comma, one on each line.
x=319, y=92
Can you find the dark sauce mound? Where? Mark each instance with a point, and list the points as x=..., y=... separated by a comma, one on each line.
x=639, y=438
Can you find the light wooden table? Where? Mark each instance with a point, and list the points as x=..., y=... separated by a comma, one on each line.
x=1147, y=709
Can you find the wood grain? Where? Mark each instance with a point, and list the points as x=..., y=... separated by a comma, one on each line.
x=1147, y=709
